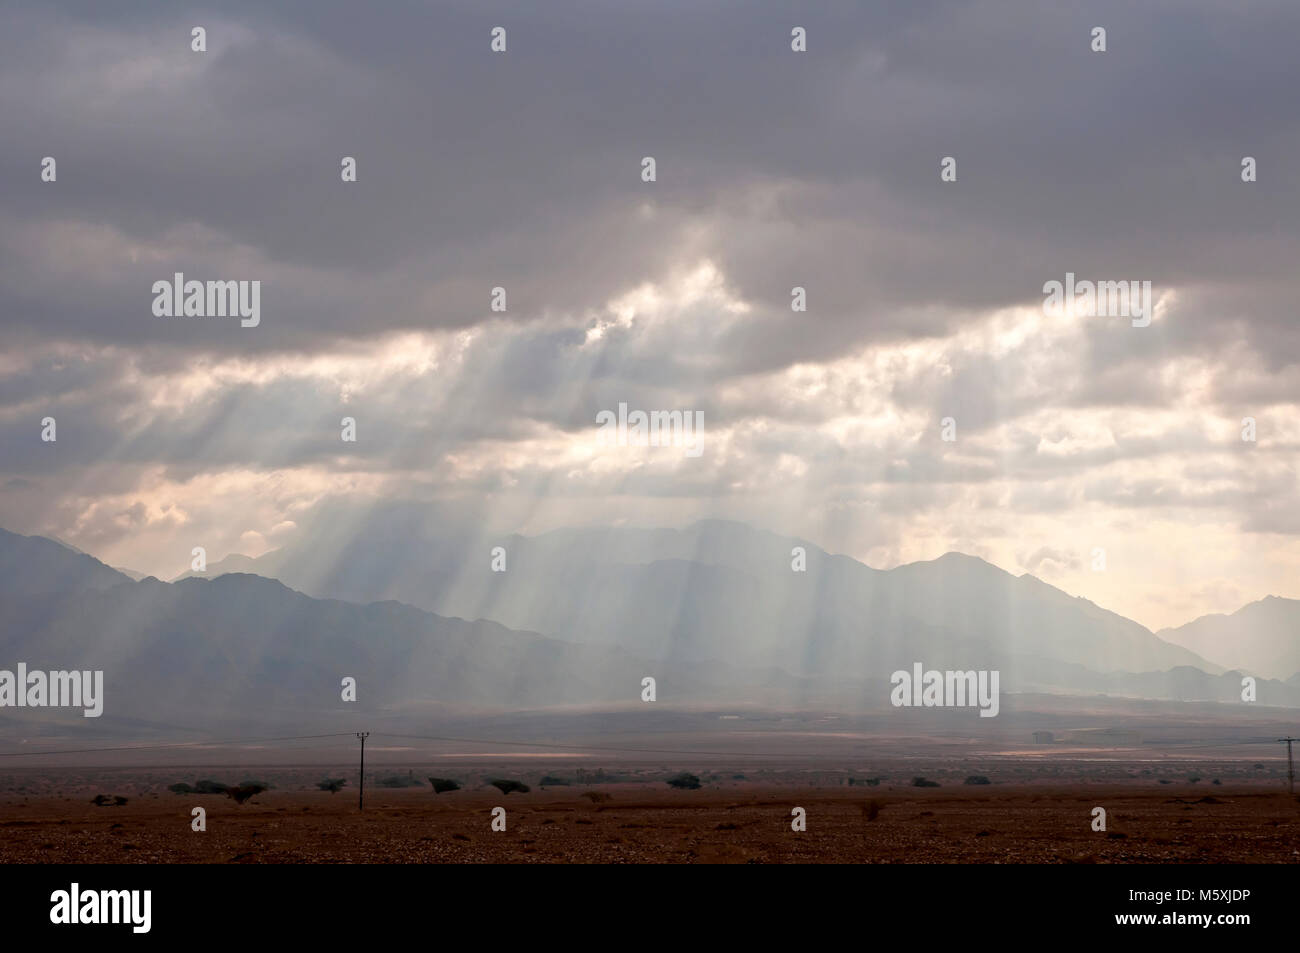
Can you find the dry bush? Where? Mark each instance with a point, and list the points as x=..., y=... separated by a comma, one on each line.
x=243, y=792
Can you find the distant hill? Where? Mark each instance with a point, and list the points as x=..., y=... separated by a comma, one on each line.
x=1262, y=637
x=240, y=652
x=129, y=573
x=239, y=647
x=723, y=590
x=31, y=565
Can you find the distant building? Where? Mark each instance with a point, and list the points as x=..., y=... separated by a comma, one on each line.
x=1043, y=737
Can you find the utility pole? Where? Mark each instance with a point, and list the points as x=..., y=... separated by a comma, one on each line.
x=1290, y=765
x=361, y=787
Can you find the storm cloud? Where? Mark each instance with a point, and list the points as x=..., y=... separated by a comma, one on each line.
x=775, y=169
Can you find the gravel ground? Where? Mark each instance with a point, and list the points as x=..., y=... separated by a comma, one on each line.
x=648, y=824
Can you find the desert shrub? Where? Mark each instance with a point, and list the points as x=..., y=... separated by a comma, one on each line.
x=871, y=809
x=442, y=785
x=180, y=788
x=507, y=785
x=919, y=782
x=210, y=787
x=977, y=779
x=597, y=797
x=552, y=781
x=105, y=800
x=1193, y=779
x=684, y=781
x=241, y=793
x=249, y=782
x=333, y=785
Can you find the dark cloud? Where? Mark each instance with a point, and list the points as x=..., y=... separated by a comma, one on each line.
x=778, y=169
x=818, y=169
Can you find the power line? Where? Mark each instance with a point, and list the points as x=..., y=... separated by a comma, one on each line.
x=1220, y=744
x=576, y=747
x=176, y=744
x=595, y=747
x=493, y=741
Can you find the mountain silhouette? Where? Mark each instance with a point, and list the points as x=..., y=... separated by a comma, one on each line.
x=242, y=651
x=723, y=590
x=1262, y=637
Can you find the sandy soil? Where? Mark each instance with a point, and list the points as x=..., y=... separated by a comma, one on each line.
x=745, y=822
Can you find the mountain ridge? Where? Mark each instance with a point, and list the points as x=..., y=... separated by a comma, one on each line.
x=239, y=651
x=1263, y=636
x=717, y=589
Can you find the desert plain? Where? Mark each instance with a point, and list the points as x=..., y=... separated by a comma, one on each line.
x=1030, y=811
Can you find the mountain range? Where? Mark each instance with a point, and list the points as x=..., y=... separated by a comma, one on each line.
x=717, y=612
x=1260, y=637
x=723, y=590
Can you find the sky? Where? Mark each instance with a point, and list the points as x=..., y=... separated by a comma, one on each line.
x=775, y=169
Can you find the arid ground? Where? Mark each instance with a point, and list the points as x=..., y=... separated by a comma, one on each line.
x=1030, y=812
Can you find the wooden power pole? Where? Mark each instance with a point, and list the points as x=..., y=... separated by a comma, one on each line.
x=360, y=787
x=1290, y=764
